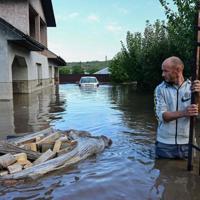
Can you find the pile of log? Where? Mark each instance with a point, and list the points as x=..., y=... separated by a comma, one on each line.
x=36, y=154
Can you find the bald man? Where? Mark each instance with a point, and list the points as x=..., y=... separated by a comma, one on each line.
x=173, y=109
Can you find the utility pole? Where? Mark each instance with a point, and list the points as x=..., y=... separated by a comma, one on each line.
x=195, y=76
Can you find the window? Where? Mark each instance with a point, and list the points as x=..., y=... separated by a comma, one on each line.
x=50, y=74
x=39, y=74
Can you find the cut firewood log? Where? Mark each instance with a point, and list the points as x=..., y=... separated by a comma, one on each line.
x=44, y=157
x=45, y=146
x=32, y=137
x=28, y=164
x=68, y=144
x=64, y=138
x=14, y=168
x=87, y=145
x=38, y=138
x=21, y=158
x=29, y=146
x=57, y=146
x=50, y=138
x=32, y=146
x=25, y=146
x=3, y=172
x=7, y=160
x=66, y=150
x=6, y=147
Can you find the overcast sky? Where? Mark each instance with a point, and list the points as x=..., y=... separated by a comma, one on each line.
x=92, y=29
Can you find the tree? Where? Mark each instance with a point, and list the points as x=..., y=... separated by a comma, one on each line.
x=92, y=70
x=141, y=57
x=181, y=29
x=77, y=70
x=118, y=72
x=64, y=70
x=155, y=49
x=132, y=55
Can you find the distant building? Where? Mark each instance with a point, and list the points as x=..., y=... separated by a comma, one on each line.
x=26, y=64
x=103, y=71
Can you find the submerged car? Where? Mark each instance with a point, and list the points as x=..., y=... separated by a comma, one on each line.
x=88, y=81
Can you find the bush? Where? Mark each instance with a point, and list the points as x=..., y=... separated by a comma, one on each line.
x=64, y=71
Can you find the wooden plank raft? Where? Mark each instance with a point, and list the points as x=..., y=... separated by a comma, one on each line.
x=69, y=148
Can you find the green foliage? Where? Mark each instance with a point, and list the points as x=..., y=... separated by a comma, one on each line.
x=141, y=57
x=132, y=55
x=181, y=29
x=155, y=48
x=92, y=70
x=77, y=70
x=90, y=66
x=118, y=73
x=64, y=70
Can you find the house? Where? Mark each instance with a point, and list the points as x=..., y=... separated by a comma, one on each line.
x=26, y=63
x=103, y=71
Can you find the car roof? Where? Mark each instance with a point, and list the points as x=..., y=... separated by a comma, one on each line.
x=88, y=77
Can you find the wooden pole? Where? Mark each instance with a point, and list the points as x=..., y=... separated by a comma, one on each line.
x=195, y=76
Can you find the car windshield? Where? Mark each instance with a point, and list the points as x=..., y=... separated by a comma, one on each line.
x=88, y=80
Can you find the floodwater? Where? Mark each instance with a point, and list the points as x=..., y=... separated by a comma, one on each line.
x=125, y=171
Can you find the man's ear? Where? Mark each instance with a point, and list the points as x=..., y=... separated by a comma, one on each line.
x=179, y=69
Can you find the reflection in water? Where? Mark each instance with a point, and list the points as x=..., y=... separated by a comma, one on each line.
x=127, y=170
x=175, y=182
x=6, y=118
x=30, y=112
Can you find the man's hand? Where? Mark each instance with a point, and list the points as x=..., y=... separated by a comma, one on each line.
x=195, y=86
x=191, y=110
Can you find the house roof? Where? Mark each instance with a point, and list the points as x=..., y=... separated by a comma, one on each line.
x=31, y=44
x=103, y=71
x=22, y=39
x=49, y=13
x=53, y=57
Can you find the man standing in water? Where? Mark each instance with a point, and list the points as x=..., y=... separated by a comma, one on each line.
x=173, y=110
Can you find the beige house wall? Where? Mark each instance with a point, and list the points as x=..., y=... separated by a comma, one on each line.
x=36, y=4
x=22, y=76
x=29, y=83
x=16, y=14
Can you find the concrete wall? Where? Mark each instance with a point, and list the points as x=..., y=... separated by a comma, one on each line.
x=36, y=4
x=16, y=13
x=29, y=83
x=19, y=69
x=21, y=76
x=40, y=27
x=5, y=75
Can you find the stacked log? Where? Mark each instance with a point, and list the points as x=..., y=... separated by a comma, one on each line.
x=52, y=150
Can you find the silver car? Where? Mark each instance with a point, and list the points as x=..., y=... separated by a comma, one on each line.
x=88, y=81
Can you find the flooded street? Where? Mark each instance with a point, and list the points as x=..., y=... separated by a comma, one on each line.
x=125, y=171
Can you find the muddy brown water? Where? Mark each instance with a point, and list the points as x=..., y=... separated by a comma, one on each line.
x=125, y=171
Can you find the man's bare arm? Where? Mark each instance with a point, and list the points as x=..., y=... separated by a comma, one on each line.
x=191, y=110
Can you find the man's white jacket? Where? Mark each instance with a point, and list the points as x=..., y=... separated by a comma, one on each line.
x=171, y=98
